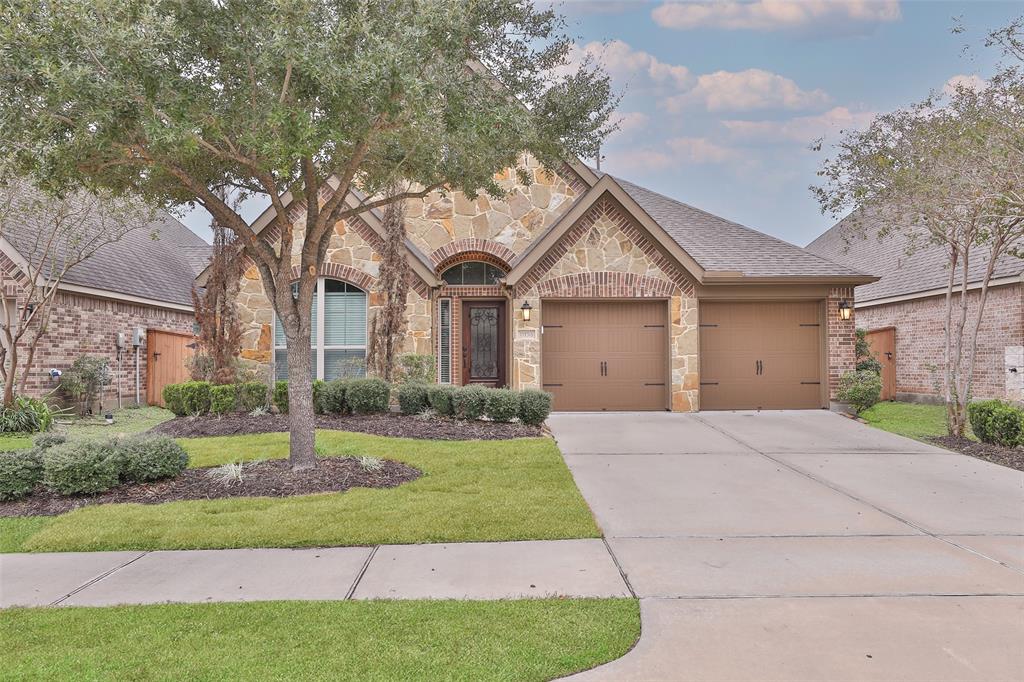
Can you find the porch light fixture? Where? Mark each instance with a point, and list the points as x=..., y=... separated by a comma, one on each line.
x=526, y=308
x=845, y=309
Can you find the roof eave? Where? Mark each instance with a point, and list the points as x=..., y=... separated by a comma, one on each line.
x=712, y=278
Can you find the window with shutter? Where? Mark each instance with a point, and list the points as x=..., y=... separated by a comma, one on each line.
x=445, y=341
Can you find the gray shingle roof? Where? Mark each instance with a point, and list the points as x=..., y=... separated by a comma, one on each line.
x=718, y=244
x=158, y=261
x=924, y=268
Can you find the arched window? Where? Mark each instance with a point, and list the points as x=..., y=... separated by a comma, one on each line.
x=473, y=272
x=338, y=332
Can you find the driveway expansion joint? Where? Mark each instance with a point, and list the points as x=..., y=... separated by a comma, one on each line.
x=622, y=573
x=362, y=571
x=93, y=581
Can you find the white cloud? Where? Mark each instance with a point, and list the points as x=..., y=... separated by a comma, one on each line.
x=773, y=15
x=639, y=70
x=638, y=160
x=971, y=82
x=801, y=129
x=630, y=123
x=695, y=150
x=745, y=91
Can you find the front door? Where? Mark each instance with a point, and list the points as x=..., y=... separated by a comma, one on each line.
x=483, y=343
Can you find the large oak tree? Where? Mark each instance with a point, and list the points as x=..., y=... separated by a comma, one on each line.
x=187, y=101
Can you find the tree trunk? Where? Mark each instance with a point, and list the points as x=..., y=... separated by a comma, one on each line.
x=301, y=417
x=947, y=391
x=11, y=376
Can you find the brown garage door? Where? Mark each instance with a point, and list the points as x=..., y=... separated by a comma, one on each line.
x=760, y=356
x=605, y=355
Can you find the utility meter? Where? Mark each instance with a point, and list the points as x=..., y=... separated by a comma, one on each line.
x=137, y=337
x=120, y=340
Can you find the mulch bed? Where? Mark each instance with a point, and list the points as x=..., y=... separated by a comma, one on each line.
x=394, y=425
x=268, y=478
x=997, y=454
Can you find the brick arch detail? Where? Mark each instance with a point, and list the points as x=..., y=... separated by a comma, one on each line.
x=346, y=273
x=472, y=248
x=605, y=284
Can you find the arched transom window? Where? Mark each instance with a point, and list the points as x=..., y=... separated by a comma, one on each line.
x=338, y=333
x=473, y=272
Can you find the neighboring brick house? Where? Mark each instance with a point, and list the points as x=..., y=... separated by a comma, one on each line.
x=908, y=304
x=608, y=295
x=142, y=281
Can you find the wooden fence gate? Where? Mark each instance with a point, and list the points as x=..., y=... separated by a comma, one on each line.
x=883, y=345
x=167, y=355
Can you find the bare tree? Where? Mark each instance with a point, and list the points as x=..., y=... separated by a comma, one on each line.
x=393, y=283
x=51, y=235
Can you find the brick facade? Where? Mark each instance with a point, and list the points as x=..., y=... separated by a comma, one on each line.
x=85, y=325
x=920, y=342
x=842, y=337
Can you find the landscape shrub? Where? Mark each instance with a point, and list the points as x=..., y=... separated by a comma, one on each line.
x=252, y=395
x=26, y=415
x=281, y=396
x=412, y=398
x=534, y=406
x=416, y=367
x=997, y=423
x=318, y=389
x=470, y=402
x=45, y=441
x=332, y=397
x=195, y=397
x=502, y=404
x=148, y=458
x=85, y=380
x=80, y=468
x=860, y=389
x=866, y=360
x=20, y=472
x=440, y=399
x=173, y=399
x=368, y=396
x=223, y=399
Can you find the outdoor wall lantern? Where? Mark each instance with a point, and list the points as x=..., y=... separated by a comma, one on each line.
x=526, y=308
x=845, y=309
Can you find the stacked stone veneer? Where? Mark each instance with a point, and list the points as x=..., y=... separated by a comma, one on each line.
x=608, y=255
x=920, y=342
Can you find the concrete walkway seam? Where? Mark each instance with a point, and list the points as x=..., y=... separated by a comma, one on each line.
x=622, y=573
x=362, y=571
x=98, y=578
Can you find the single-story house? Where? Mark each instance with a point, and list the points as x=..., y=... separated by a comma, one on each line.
x=905, y=311
x=606, y=294
x=139, y=286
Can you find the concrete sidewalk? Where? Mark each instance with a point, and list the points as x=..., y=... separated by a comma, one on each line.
x=498, y=570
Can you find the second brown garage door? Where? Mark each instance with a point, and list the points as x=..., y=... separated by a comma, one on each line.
x=760, y=356
x=605, y=355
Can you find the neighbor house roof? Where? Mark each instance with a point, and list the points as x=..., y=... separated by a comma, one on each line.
x=158, y=261
x=904, y=271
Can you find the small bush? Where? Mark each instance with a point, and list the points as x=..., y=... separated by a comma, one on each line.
x=26, y=415
x=412, y=398
x=85, y=380
x=281, y=396
x=318, y=389
x=173, y=399
x=440, y=399
x=534, y=406
x=470, y=402
x=195, y=397
x=414, y=367
x=368, y=396
x=82, y=468
x=20, y=472
x=252, y=395
x=866, y=360
x=223, y=399
x=860, y=389
x=502, y=404
x=332, y=397
x=997, y=423
x=46, y=441
x=149, y=458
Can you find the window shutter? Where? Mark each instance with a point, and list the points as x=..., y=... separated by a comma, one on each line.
x=445, y=341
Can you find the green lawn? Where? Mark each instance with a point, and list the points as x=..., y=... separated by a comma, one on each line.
x=376, y=640
x=471, y=491
x=912, y=420
x=126, y=421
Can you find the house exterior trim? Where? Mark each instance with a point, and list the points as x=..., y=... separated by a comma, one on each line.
x=929, y=293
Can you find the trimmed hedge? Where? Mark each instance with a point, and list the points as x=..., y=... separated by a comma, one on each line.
x=441, y=400
x=502, y=404
x=318, y=388
x=149, y=458
x=412, y=398
x=252, y=395
x=46, y=441
x=534, y=406
x=83, y=468
x=173, y=399
x=280, y=397
x=332, y=397
x=195, y=397
x=861, y=389
x=223, y=399
x=997, y=423
x=368, y=396
x=470, y=402
x=20, y=472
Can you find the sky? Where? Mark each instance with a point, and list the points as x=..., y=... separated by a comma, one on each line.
x=722, y=101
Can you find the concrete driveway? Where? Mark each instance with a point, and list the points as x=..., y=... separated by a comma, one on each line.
x=803, y=546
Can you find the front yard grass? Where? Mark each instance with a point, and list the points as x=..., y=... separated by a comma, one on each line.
x=127, y=420
x=351, y=640
x=471, y=491
x=913, y=420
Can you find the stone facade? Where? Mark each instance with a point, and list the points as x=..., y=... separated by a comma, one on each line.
x=920, y=342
